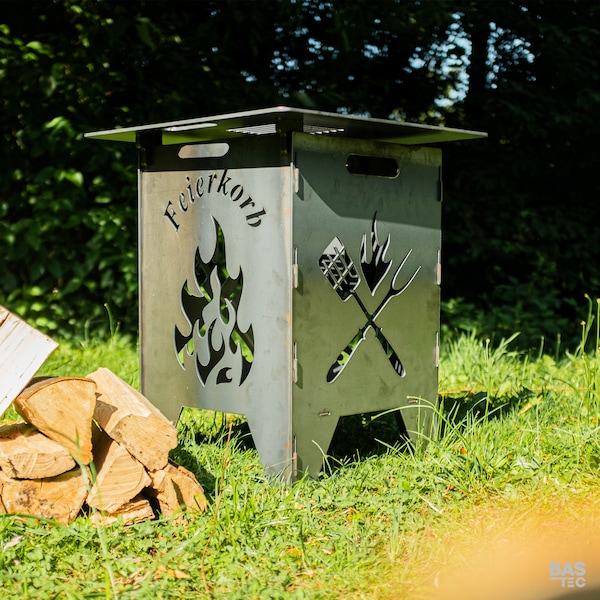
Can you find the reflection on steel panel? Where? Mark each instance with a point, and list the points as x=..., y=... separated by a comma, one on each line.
x=289, y=272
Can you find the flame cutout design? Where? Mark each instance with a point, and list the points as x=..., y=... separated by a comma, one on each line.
x=215, y=339
x=377, y=268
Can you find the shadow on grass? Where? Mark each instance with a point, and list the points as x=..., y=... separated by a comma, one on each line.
x=361, y=436
x=470, y=408
x=369, y=434
x=356, y=437
x=182, y=456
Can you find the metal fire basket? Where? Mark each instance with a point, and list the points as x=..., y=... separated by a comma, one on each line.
x=289, y=271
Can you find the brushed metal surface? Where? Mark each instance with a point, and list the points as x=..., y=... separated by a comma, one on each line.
x=289, y=272
x=330, y=203
x=257, y=250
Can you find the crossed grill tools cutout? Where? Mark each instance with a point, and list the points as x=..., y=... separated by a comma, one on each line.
x=344, y=278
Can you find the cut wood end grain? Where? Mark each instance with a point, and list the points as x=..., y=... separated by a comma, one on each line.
x=62, y=408
x=26, y=453
x=174, y=487
x=119, y=476
x=59, y=497
x=135, y=511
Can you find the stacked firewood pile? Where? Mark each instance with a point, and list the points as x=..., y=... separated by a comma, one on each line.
x=86, y=444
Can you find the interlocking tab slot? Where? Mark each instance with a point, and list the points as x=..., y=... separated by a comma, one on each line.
x=375, y=166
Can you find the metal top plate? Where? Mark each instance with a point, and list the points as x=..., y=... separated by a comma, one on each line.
x=283, y=119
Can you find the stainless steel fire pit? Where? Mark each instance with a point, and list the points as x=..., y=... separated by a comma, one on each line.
x=290, y=271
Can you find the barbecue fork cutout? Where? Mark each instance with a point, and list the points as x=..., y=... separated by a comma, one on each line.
x=343, y=276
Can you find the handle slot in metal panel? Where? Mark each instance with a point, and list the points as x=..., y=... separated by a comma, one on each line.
x=374, y=166
x=216, y=150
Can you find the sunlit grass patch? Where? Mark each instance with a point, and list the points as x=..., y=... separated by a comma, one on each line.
x=518, y=436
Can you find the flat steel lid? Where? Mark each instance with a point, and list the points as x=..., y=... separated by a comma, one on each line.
x=282, y=119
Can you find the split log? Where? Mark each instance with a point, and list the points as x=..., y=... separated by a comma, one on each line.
x=23, y=351
x=59, y=497
x=130, y=419
x=72, y=420
x=175, y=487
x=119, y=476
x=134, y=511
x=25, y=453
x=62, y=408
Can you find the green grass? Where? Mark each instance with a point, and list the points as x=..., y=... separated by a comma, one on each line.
x=516, y=429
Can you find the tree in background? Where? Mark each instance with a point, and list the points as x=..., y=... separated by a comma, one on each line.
x=522, y=239
x=520, y=245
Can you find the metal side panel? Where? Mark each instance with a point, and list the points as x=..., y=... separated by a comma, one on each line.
x=366, y=309
x=215, y=289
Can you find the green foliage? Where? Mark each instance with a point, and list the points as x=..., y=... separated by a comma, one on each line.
x=520, y=241
x=67, y=234
x=68, y=212
x=80, y=358
x=521, y=210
